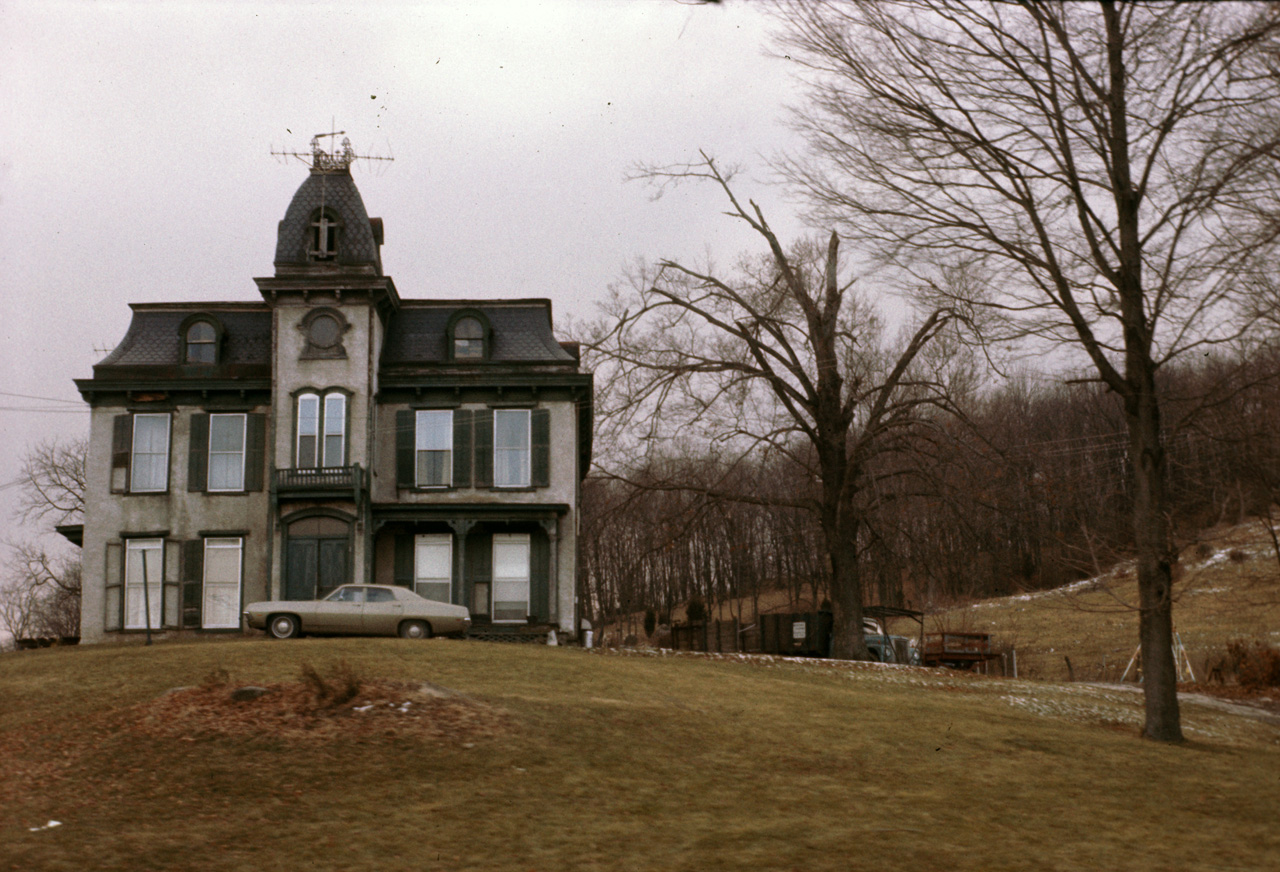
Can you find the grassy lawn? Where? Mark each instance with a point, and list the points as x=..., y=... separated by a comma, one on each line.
x=564, y=759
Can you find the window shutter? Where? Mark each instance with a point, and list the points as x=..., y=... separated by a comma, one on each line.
x=121, y=446
x=540, y=576
x=462, y=447
x=192, y=581
x=404, y=560
x=255, y=451
x=406, y=475
x=484, y=447
x=113, y=593
x=540, y=437
x=198, y=458
x=478, y=571
x=171, y=586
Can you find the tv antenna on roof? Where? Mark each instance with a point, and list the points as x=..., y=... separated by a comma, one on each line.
x=338, y=160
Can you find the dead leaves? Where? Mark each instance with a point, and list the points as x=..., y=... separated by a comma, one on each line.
x=294, y=711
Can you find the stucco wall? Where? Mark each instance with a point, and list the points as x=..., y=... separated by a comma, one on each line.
x=185, y=515
x=563, y=456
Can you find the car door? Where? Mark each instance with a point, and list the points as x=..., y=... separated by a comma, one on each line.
x=341, y=612
x=382, y=612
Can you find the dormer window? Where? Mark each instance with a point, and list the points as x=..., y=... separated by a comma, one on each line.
x=325, y=230
x=469, y=338
x=201, y=336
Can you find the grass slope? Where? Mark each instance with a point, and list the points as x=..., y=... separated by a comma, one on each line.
x=1227, y=586
x=598, y=761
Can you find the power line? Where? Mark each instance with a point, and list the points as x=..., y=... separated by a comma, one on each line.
x=47, y=399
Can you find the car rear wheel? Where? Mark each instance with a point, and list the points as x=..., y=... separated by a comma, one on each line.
x=415, y=630
x=283, y=627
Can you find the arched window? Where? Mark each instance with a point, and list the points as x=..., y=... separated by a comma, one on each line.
x=322, y=430
x=201, y=338
x=468, y=338
x=202, y=342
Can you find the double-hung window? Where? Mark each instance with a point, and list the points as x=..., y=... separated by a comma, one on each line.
x=322, y=430
x=433, y=566
x=222, y=562
x=149, y=463
x=510, y=577
x=335, y=430
x=434, y=448
x=143, y=585
x=226, y=452
x=511, y=448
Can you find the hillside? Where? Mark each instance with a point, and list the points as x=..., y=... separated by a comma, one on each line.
x=1227, y=587
x=447, y=755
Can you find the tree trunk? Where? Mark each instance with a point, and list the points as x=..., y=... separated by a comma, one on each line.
x=1155, y=577
x=847, y=639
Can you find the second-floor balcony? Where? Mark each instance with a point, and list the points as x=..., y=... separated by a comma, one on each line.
x=324, y=481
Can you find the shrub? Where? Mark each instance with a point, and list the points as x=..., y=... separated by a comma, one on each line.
x=1256, y=665
x=650, y=622
x=343, y=685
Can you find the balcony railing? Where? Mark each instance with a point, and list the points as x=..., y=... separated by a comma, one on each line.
x=327, y=479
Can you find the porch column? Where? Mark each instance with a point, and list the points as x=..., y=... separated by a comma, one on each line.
x=552, y=528
x=461, y=528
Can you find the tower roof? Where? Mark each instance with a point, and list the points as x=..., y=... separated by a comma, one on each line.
x=326, y=228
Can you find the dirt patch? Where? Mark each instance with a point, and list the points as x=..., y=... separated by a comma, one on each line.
x=293, y=710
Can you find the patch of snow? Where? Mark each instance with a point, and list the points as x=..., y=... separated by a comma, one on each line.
x=50, y=825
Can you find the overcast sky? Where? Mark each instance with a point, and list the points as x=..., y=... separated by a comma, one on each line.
x=136, y=164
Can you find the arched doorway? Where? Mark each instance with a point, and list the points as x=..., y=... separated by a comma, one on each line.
x=317, y=557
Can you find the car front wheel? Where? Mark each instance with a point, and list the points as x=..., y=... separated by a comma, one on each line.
x=415, y=630
x=283, y=627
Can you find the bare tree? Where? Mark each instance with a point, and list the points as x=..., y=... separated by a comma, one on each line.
x=53, y=481
x=1107, y=170
x=40, y=595
x=40, y=591
x=779, y=359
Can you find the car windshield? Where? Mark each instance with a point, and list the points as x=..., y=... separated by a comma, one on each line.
x=346, y=595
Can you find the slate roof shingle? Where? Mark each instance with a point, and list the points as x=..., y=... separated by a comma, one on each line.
x=521, y=332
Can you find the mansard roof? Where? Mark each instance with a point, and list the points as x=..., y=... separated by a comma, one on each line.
x=521, y=332
x=153, y=343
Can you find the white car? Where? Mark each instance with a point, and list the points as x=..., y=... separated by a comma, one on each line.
x=360, y=610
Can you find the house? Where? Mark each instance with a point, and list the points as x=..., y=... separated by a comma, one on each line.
x=333, y=433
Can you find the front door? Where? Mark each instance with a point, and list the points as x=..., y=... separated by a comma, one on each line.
x=317, y=558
